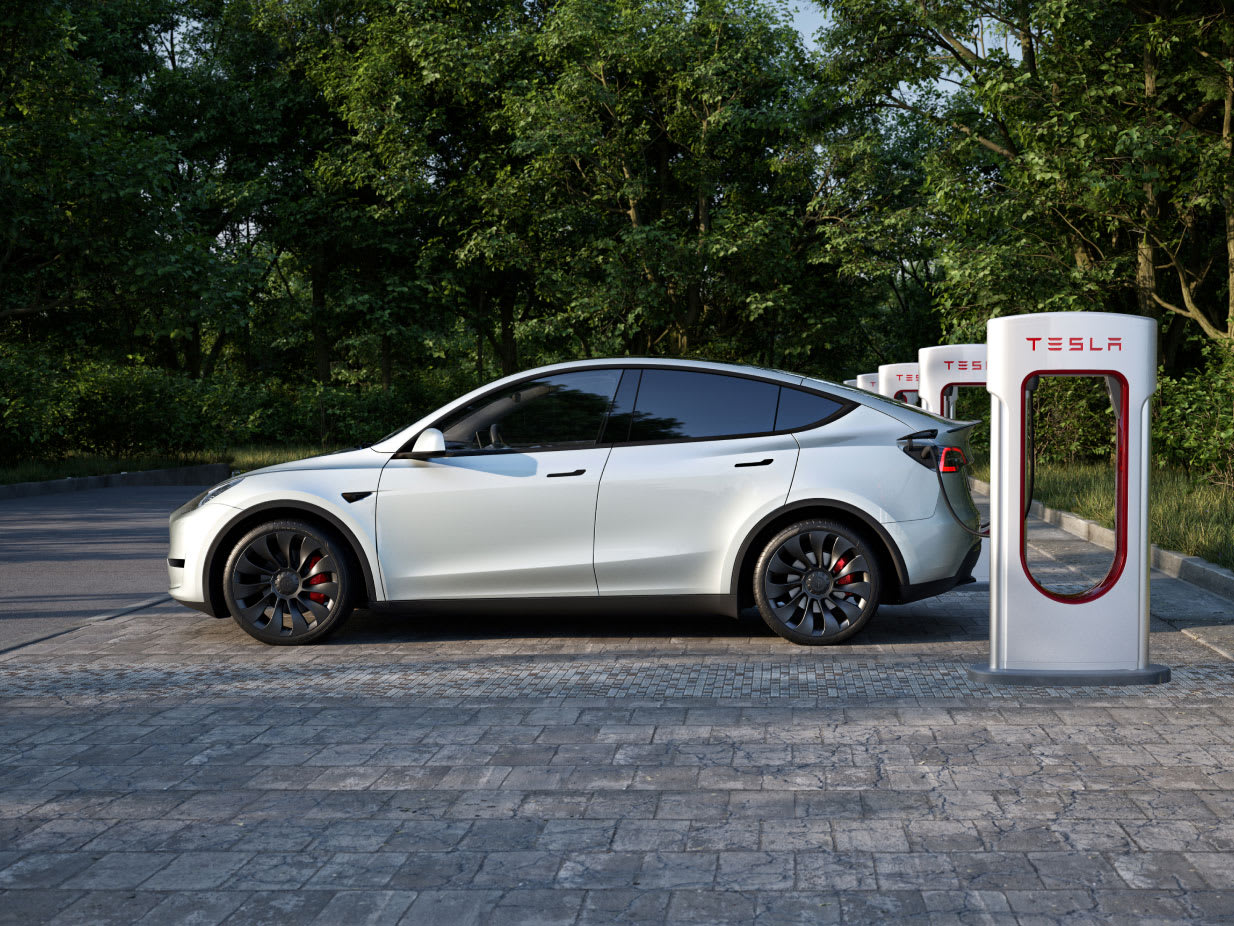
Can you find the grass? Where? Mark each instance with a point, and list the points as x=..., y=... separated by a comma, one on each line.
x=1186, y=513
x=241, y=459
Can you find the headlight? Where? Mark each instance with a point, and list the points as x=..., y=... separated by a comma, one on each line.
x=220, y=489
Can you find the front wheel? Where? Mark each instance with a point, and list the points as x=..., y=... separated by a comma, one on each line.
x=817, y=582
x=288, y=582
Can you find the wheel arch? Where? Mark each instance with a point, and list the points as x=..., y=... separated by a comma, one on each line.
x=244, y=521
x=891, y=560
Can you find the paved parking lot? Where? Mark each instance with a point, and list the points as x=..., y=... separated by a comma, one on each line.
x=162, y=767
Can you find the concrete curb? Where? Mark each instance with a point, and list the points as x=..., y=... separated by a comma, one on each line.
x=201, y=474
x=1192, y=569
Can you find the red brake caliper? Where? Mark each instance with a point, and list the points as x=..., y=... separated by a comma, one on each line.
x=317, y=580
x=839, y=564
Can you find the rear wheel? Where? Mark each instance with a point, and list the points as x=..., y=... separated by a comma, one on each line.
x=288, y=582
x=817, y=582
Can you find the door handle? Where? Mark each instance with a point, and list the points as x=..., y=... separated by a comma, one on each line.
x=577, y=472
x=766, y=462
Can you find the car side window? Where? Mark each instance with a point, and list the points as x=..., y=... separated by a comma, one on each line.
x=799, y=408
x=682, y=404
x=567, y=410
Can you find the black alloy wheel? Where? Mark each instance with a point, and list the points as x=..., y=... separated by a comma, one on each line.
x=817, y=582
x=288, y=582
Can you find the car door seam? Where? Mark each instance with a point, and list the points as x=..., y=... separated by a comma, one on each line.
x=595, y=517
x=793, y=477
x=381, y=569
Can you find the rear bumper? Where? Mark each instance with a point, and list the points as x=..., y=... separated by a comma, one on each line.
x=929, y=589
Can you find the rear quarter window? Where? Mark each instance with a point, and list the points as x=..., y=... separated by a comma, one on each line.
x=799, y=409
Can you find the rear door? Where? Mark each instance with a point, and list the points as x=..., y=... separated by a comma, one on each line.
x=694, y=464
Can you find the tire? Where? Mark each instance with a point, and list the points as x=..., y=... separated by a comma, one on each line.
x=803, y=596
x=289, y=582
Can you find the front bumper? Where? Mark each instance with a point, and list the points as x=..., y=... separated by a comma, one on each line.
x=192, y=529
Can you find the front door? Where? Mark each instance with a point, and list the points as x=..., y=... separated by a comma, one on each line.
x=509, y=510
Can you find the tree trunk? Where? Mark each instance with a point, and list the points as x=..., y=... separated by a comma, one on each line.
x=1228, y=194
x=1145, y=253
x=385, y=362
x=192, y=352
x=509, y=345
x=1172, y=338
x=321, y=343
x=685, y=325
x=216, y=349
x=475, y=300
x=1079, y=250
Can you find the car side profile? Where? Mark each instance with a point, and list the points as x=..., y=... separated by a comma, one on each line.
x=600, y=484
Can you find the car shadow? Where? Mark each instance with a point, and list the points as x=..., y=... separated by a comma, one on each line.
x=893, y=626
x=384, y=628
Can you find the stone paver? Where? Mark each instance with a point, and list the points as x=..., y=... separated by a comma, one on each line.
x=163, y=767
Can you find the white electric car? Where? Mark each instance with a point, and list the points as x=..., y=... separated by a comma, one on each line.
x=612, y=484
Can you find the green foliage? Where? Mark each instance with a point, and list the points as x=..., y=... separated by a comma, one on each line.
x=1193, y=425
x=309, y=220
x=1082, y=150
x=1073, y=420
x=56, y=408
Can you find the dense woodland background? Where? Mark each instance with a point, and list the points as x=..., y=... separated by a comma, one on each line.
x=248, y=221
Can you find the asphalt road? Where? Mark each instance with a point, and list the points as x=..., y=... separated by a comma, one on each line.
x=69, y=557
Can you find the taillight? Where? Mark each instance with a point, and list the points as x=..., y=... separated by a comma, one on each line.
x=950, y=459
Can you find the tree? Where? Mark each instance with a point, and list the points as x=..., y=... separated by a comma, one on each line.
x=1085, y=156
x=878, y=228
x=80, y=188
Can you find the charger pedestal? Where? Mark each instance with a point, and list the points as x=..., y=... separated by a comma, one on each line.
x=944, y=369
x=1098, y=636
x=899, y=381
x=867, y=381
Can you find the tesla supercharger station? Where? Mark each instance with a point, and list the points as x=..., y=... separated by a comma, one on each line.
x=1098, y=636
x=851, y=382
x=899, y=381
x=944, y=370
x=867, y=381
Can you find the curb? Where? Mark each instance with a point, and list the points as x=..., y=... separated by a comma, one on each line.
x=1191, y=569
x=201, y=474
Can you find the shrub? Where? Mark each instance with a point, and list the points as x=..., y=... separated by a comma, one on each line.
x=36, y=410
x=49, y=409
x=1074, y=420
x=1193, y=424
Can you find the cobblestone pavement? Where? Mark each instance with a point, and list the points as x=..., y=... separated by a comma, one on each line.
x=162, y=767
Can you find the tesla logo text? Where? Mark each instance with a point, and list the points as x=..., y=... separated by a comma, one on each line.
x=1070, y=344
x=908, y=377
x=965, y=364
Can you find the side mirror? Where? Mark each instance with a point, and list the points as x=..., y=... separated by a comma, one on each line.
x=430, y=443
